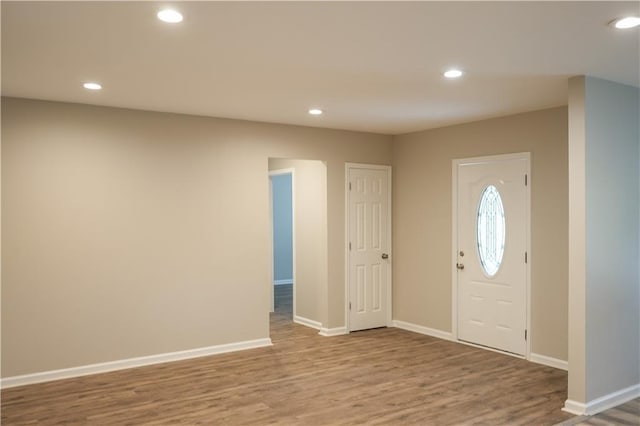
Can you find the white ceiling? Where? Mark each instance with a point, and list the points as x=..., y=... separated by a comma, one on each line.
x=372, y=66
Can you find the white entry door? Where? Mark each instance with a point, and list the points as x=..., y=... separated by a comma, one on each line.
x=492, y=233
x=368, y=251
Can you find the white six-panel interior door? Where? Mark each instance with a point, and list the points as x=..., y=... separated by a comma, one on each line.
x=491, y=244
x=368, y=246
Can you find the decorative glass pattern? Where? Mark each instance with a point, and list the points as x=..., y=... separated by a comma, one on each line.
x=490, y=230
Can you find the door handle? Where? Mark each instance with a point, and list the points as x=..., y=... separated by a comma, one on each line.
x=385, y=256
x=460, y=266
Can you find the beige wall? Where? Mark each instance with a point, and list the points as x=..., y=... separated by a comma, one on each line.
x=422, y=218
x=130, y=233
x=310, y=234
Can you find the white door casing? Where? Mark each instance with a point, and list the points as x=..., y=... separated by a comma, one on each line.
x=491, y=305
x=368, y=226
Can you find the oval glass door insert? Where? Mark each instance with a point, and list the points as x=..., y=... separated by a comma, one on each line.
x=490, y=230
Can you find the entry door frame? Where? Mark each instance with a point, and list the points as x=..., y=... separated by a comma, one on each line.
x=272, y=173
x=347, y=275
x=454, y=244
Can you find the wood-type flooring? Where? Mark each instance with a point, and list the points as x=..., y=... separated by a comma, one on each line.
x=384, y=376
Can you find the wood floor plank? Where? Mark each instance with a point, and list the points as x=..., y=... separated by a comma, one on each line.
x=382, y=376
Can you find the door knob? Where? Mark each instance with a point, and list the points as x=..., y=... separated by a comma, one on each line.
x=385, y=256
x=460, y=266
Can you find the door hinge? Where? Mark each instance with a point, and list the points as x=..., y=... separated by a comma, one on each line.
x=526, y=180
x=349, y=186
x=349, y=245
x=526, y=257
x=349, y=305
x=525, y=335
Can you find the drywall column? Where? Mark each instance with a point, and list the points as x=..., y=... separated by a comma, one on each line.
x=577, y=257
x=604, y=241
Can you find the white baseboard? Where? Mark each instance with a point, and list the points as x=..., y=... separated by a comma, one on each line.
x=574, y=407
x=330, y=332
x=327, y=332
x=540, y=359
x=85, y=370
x=548, y=361
x=603, y=403
x=282, y=282
x=307, y=322
x=422, y=330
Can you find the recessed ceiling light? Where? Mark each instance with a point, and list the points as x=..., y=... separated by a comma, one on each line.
x=453, y=73
x=315, y=111
x=625, y=23
x=169, y=15
x=92, y=86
